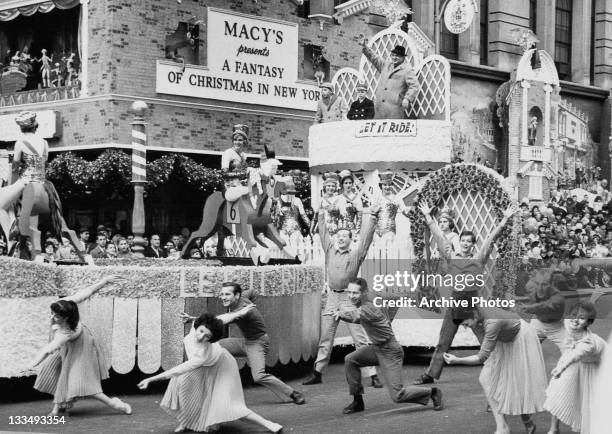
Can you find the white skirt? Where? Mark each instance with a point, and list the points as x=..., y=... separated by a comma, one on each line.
x=514, y=376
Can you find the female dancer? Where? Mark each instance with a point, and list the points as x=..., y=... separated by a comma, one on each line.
x=513, y=376
x=290, y=211
x=328, y=208
x=350, y=204
x=76, y=366
x=573, y=379
x=206, y=390
x=446, y=223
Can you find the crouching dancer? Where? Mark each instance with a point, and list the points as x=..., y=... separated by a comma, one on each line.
x=384, y=352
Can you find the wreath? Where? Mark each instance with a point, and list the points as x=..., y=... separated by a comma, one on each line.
x=464, y=176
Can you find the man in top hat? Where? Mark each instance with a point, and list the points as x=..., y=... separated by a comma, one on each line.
x=233, y=163
x=330, y=108
x=362, y=107
x=397, y=84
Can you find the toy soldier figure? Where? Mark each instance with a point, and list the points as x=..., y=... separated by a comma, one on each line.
x=363, y=107
x=397, y=85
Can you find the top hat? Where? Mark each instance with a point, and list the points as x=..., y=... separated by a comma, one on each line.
x=361, y=86
x=270, y=156
x=327, y=85
x=241, y=130
x=26, y=119
x=399, y=51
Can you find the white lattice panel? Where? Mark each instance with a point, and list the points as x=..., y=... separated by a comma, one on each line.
x=433, y=99
x=474, y=212
x=433, y=73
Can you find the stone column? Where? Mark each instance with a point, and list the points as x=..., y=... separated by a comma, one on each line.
x=581, y=42
x=545, y=25
x=84, y=35
x=504, y=16
x=547, y=91
x=603, y=43
x=524, y=115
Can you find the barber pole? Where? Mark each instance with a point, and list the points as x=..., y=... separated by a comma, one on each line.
x=139, y=175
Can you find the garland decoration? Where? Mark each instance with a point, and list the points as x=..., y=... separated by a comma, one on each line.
x=111, y=174
x=474, y=178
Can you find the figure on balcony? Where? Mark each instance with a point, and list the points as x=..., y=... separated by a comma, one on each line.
x=45, y=69
x=330, y=108
x=362, y=107
x=389, y=206
x=56, y=76
x=532, y=131
x=72, y=69
x=328, y=209
x=397, y=84
x=350, y=204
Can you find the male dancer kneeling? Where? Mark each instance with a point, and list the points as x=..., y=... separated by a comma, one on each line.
x=384, y=352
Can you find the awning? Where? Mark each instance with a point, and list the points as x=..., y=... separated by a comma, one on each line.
x=30, y=8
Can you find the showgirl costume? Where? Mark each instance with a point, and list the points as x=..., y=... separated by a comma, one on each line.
x=352, y=208
x=289, y=214
x=569, y=397
x=386, y=216
x=32, y=168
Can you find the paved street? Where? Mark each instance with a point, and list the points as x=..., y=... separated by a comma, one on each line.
x=464, y=412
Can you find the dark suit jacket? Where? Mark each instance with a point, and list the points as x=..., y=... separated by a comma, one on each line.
x=361, y=110
x=98, y=252
x=150, y=253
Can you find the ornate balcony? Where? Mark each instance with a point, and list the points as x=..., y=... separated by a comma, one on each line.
x=536, y=153
x=40, y=95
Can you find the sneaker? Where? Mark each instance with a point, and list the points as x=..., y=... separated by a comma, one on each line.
x=436, y=398
x=424, y=379
x=298, y=398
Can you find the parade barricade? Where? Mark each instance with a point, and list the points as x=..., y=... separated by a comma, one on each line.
x=138, y=323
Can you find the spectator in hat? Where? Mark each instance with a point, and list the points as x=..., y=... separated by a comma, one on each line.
x=330, y=108
x=362, y=107
x=397, y=85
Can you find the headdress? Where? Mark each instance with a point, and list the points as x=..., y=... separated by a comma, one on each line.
x=288, y=186
x=446, y=213
x=330, y=178
x=386, y=177
x=241, y=130
x=346, y=174
x=270, y=156
x=26, y=119
x=327, y=85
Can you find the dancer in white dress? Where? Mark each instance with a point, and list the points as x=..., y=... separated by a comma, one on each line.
x=206, y=391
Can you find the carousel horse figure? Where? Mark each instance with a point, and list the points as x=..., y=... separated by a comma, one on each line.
x=248, y=207
x=38, y=197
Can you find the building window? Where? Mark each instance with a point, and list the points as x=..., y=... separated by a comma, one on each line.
x=563, y=125
x=533, y=15
x=484, y=32
x=303, y=10
x=449, y=43
x=563, y=38
x=592, y=58
x=316, y=66
x=535, y=187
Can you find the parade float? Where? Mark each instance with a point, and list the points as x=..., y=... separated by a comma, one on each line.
x=399, y=162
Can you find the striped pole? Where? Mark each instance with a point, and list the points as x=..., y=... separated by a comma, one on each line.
x=139, y=175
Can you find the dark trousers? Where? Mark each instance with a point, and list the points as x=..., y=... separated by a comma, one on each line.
x=447, y=334
x=389, y=358
x=256, y=350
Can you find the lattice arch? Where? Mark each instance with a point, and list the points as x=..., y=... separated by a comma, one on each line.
x=433, y=73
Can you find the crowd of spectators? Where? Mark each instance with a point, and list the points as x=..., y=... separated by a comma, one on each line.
x=107, y=244
x=569, y=227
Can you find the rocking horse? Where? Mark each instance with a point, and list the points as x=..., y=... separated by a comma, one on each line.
x=251, y=212
x=38, y=196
